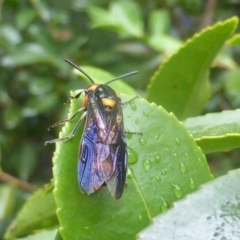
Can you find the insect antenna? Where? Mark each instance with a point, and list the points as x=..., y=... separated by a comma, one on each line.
x=122, y=76
x=79, y=69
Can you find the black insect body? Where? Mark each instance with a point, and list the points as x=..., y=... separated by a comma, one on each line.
x=103, y=148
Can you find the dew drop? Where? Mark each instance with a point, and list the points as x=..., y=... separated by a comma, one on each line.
x=177, y=141
x=133, y=105
x=158, y=179
x=132, y=156
x=199, y=159
x=186, y=156
x=157, y=136
x=163, y=172
x=192, y=183
x=146, y=114
x=139, y=217
x=137, y=121
x=150, y=181
x=183, y=167
x=147, y=164
x=167, y=150
x=87, y=228
x=128, y=135
x=158, y=158
x=177, y=191
x=175, y=155
x=164, y=205
x=129, y=174
x=142, y=141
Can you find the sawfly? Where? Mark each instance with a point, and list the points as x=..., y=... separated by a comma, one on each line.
x=103, y=156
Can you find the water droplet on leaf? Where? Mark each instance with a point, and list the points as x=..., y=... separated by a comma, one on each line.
x=158, y=158
x=177, y=141
x=142, y=141
x=177, y=190
x=192, y=183
x=132, y=156
x=183, y=167
x=164, y=205
x=129, y=173
x=137, y=121
x=158, y=178
x=146, y=114
x=147, y=164
x=157, y=136
x=133, y=105
x=163, y=172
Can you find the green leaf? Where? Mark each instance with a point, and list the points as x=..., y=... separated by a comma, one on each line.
x=216, y=131
x=164, y=43
x=26, y=54
x=164, y=165
x=234, y=40
x=232, y=87
x=210, y=213
x=25, y=17
x=12, y=116
x=128, y=15
x=123, y=17
x=181, y=84
x=37, y=213
x=225, y=60
x=40, y=104
x=6, y=201
x=159, y=22
x=101, y=18
x=46, y=235
x=10, y=35
x=26, y=156
x=159, y=39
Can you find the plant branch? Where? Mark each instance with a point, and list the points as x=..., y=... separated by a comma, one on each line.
x=5, y=177
x=207, y=18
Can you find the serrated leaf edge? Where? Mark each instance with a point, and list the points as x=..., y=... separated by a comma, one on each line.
x=195, y=36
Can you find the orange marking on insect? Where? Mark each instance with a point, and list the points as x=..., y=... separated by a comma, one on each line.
x=85, y=99
x=108, y=102
x=92, y=87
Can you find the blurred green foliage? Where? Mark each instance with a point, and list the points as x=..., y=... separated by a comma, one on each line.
x=117, y=36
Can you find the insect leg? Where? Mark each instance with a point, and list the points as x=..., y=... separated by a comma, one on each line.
x=66, y=120
x=140, y=133
x=123, y=104
x=71, y=135
x=75, y=97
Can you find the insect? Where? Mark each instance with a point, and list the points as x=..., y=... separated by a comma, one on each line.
x=103, y=154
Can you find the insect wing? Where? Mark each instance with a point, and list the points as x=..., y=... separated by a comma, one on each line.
x=118, y=149
x=88, y=172
x=103, y=150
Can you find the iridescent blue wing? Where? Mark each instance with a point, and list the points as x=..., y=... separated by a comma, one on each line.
x=88, y=173
x=103, y=150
